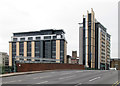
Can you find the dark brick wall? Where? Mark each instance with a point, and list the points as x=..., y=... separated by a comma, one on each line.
x=25, y=67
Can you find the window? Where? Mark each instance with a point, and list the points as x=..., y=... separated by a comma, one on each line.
x=47, y=37
x=22, y=39
x=61, y=36
x=38, y=38
x=30, y=38
x=14, y=49
x=47, y=49
x=14, y=39
x=54, y=49
x=29, y=49
x=13, y=52
x=54, y=37
x=62, y=50
x=37, y=49
x=21, y=49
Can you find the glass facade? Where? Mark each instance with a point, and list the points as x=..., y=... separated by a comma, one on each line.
x=22, y=39
x=54, y=49
x=47, y=49
x=84, y=41
x=41, y=44
x=38, y=38
x=89, y=40
x=29, y=49
x=14, y=39
x=21, y=48
x=47, y=37
x=13, y=49
x=30, y=38
x=37, y=48
x=13, y=52
x=62, y=50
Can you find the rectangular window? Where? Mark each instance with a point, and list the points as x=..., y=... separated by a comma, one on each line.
x=29, y=49
x=62, y=50
x=13, y=52
x=38, y=38
x=37, y=49
x=22, y=39
x=47, y=49
x=30, y=38
x=53, y=49
x=47, y=37
x=14, y=39
x=21, y=49
x=14, y=49
x=54, y=37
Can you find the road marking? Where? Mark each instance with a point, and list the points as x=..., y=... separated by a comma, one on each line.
x=78, y=84
x=94, y=79
x=42, y=82
x=115, y=83
x=66, y=77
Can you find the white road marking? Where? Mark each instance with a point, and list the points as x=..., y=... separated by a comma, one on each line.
x=42, y=82
x=94, y=79
x=78, y=84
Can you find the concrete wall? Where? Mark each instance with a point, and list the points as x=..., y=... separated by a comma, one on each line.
x=46, y=66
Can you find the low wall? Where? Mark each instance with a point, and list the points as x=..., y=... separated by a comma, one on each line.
x=25, y=67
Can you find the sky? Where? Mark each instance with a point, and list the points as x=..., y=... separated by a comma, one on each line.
x=35, y=15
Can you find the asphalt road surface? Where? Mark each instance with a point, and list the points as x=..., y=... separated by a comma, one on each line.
x=66, y=77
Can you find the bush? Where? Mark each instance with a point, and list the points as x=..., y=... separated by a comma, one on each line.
x=5, y=69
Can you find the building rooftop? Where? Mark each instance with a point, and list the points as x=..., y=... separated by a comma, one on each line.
x=41, y=32
x=101, y=26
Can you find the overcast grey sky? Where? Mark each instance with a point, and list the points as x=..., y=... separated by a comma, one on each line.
x=34, y=15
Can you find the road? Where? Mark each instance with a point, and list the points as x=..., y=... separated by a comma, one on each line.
x=65, y=77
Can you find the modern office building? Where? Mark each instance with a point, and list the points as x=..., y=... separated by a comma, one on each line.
x=94, y=43
x=4, y=59
x=38, y=46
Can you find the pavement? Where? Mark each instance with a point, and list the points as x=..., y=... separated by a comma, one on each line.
x=64, y=78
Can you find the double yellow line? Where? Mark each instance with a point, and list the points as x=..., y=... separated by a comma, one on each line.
x=116, y=83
